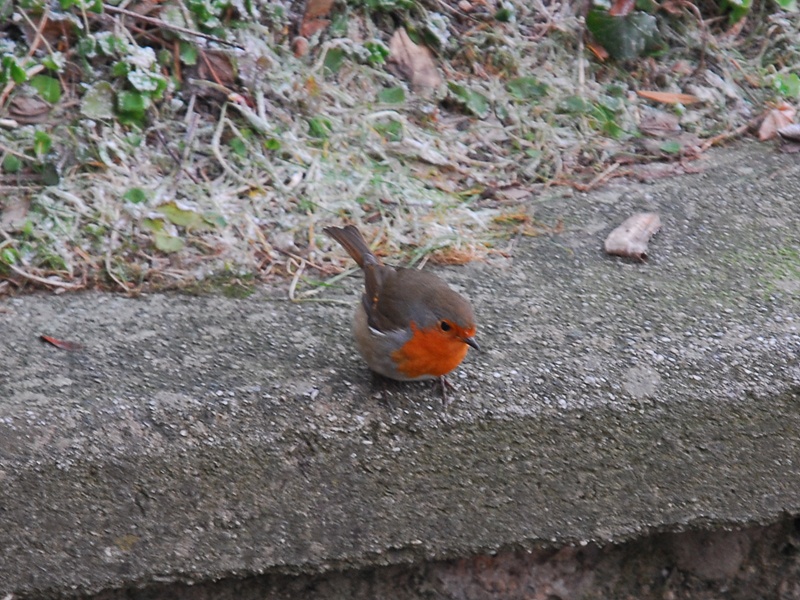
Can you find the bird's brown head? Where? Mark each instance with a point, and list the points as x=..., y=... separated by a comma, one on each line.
x=442, y=324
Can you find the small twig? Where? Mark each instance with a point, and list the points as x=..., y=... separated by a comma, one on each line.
x=188, y=142
x=178, y=161
x=236, y=101
x=39, y=38
x=295, y=279
x=728, y=134
x=262, y=125
x=597, y=180
x=319, y=268
x=36, y=278
x=581, y=65
x=113, y=242
x=72, y=199
x=215, y=140
x=690, y=6
x=446, y=6
x=4, y=148
x=171, y=27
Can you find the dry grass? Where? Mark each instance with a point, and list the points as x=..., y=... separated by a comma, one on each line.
x=424, y=179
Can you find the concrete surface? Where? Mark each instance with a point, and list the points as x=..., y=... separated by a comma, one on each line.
x=760, y=562
x=200, y=438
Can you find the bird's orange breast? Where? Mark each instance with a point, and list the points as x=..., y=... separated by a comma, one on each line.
x=429, y=352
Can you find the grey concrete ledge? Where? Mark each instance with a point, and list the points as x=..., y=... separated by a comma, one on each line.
x=201, y=438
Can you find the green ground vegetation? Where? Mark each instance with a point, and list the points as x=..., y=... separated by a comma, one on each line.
x=160, y=145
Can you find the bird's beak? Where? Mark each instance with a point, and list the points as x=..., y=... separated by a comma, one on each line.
x=471, y=342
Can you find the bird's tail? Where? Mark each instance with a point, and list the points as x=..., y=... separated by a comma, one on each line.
x=351, y=240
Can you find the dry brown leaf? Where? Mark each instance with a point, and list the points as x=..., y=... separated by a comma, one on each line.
x=414, y=62
x=309, y=28
x=659, y=123
x=300, y=46
x=668, y=97
x=790, y=148
x=620, y=8
x=599, y=52
x=29, y=109
x=790, y=133
x=13, y=214
x=791, y=138
x=682, y=68
x=145, y=7
x=317, y=9
x=630, y=239
x=218, y=67
x=778, y=118
x=514, y=194
x=314, y=19
x=62, y=344
x=673, y=8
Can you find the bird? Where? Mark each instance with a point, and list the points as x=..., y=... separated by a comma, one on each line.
x=410, y=325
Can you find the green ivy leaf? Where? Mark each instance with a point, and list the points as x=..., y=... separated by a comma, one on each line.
x=149, y=83
x=132, y=106
x=11, y=164
x=41, y=143
x=392, y=131
x=135, y=195
x=188, y=54
x=474, y=102
x=504, y=15
x=787, y=85
x=738, y=8
x=50, y=174
x=18, y=74
x=167, y=243
x=338, y=26
x=333, y=60
x=215, y=220
x=392, y=95
x=9, y=256
x=238, y=146
x=50, y=63
x=49, y=89
x=575, y=105
x=153, y=224
x=320, y=127
x=378, y=53
x=180, y=216
x=120, y=69
x=671, y=147
x=526, y=88
x=98, y=101
x=625, y=38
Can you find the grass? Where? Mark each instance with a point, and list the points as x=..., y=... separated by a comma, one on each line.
x=238, y=152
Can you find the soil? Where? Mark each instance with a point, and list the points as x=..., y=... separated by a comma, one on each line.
x=756, y=562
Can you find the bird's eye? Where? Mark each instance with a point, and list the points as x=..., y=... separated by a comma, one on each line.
x=445, y=326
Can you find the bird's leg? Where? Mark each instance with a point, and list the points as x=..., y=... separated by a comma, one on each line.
x=383, y=383
x=445, y=385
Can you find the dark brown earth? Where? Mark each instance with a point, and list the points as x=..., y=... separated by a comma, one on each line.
x=756, y=562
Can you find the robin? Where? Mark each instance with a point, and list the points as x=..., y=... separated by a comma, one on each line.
x=410, y=325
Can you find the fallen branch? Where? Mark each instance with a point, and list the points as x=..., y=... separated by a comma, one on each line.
x=170, y=26
x=42, y=280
